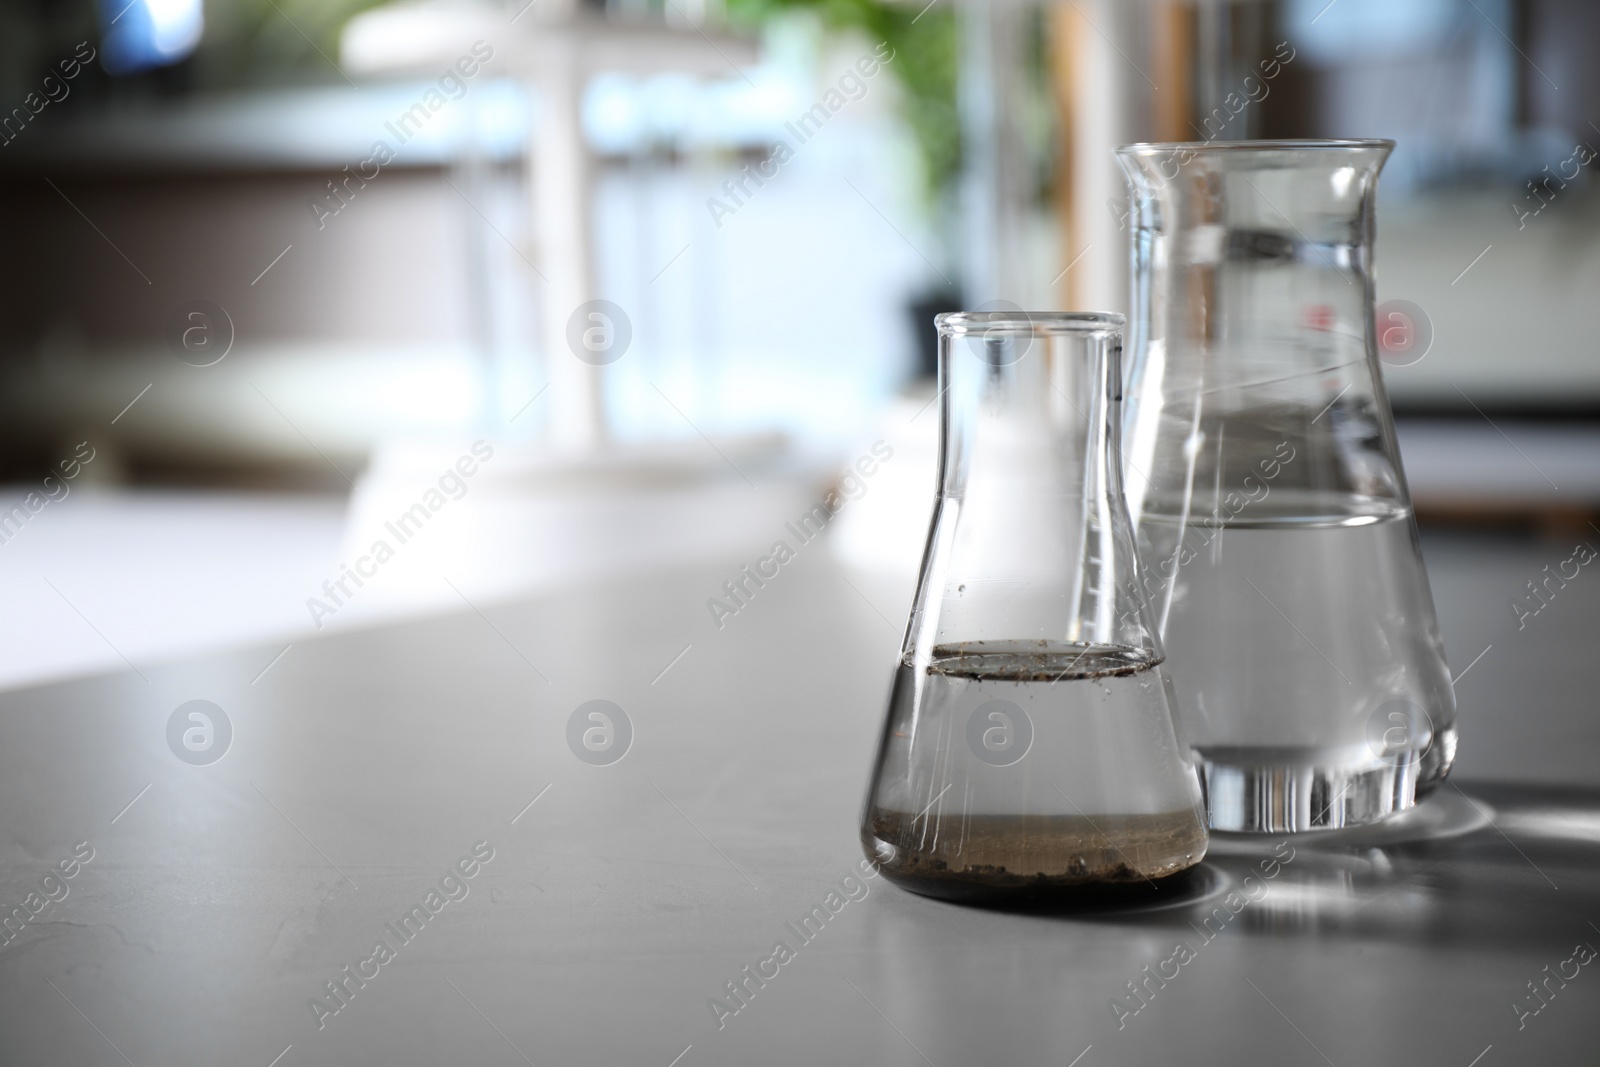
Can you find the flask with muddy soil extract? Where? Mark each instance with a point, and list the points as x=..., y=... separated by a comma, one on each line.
x=1029, y=747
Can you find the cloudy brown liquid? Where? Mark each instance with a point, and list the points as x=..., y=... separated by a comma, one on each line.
x=1102, y=794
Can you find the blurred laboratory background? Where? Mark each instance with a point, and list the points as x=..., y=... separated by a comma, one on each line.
x=273, y=266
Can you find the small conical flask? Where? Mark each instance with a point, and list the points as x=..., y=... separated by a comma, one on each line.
x=1029, y=743
x=1266, y=488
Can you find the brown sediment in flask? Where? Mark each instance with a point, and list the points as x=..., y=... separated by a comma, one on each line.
x=995, y=855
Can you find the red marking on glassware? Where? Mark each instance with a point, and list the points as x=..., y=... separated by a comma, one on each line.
x=1318, y=317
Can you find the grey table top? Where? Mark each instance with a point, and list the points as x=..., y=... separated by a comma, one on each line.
x=620, y=899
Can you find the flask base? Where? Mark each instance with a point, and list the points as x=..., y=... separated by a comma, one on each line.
x=996, y=858
x=1268, y=790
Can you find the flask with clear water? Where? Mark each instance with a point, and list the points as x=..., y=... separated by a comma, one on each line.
x=1266, y=488
x=1029, y=746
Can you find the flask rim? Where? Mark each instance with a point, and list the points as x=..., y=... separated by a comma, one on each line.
x=1031, y=323
x=1149, y=148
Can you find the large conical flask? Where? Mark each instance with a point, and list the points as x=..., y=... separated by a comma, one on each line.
x=1029, y=743
x=1266, y=487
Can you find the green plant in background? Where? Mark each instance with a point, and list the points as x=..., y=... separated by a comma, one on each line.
x=273, y=40
x=253, y=41
x=925, y=65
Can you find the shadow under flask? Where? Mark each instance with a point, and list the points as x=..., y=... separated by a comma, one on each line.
x=1029, y=744
x=1266, y=488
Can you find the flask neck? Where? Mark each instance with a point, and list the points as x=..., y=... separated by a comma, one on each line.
x=1031, y=540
